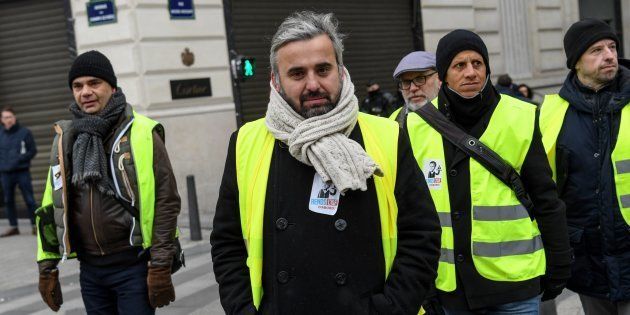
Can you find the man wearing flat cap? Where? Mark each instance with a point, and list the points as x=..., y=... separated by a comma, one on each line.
x=111, y=200
x=499, y=252
x=586, y=133
x=418, y=82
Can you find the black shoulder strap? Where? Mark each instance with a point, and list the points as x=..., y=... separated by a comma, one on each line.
x=478, y=151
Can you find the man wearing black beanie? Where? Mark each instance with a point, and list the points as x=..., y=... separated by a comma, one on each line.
x=586, y=132
x=497, y=255
x=111, y=200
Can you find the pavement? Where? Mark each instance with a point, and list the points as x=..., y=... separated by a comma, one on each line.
x=195, y=287
x=196, y=290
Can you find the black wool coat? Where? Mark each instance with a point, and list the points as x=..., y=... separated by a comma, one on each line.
x=327, y=264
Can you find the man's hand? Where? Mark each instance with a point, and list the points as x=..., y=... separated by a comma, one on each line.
x=554, y=281
x=161, y=290
x=50, y=289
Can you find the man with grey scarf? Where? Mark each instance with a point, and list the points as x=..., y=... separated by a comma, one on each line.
x=322, y=209
x=111, y=200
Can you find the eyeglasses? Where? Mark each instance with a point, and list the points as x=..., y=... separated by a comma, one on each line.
x=417, y=81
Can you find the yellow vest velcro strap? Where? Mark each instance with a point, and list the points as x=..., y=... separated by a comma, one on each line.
x=623, y=166
x=508, y=248
x=445, y=219
x=447, y=255
x=499, y=213
x=625, y=201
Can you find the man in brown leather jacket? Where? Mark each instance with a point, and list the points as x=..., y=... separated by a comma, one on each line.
x=111, y=200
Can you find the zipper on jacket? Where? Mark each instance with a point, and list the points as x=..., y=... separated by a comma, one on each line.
x=125, y=178
x=92, y=219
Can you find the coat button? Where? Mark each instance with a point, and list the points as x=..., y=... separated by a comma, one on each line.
x=341, y=278
x=460, y=258
x=452, y=172
x=283, y=277
x=281, y=224
x=341, y=224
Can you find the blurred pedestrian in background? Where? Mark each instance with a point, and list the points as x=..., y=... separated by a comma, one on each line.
x=17, y=149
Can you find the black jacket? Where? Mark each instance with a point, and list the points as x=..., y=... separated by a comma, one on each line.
x=320, y=264
x=598, y=233
x=473, y=290
x=17, y=148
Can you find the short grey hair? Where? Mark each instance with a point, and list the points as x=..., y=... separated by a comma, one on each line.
x=304, y=25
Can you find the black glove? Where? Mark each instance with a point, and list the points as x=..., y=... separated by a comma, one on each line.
x=552, y=288
x=554, y=281
x=432, y=306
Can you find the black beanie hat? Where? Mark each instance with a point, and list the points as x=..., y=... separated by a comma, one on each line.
x=581, y=35
x=455, y=42
x=94, y=64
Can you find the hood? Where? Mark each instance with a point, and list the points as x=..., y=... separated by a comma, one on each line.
x=619, y=90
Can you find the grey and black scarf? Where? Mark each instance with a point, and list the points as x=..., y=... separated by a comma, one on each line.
x=89, y=162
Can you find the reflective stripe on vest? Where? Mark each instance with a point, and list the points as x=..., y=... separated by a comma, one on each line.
x=141, y=136
x=506, y=244
x=427, y=146
x=552, y=115
x=254, y=148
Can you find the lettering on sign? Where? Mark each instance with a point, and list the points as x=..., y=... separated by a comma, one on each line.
x=190, y=88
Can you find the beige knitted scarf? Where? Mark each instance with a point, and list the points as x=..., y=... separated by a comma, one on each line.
x=322, y=141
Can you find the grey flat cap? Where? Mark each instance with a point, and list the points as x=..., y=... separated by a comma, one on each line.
x=415, y=61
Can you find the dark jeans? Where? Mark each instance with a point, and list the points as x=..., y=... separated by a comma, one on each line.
x=115, y=290
x=21, y=179
x=526, y=307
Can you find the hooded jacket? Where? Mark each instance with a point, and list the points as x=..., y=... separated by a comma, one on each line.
x=598, y=233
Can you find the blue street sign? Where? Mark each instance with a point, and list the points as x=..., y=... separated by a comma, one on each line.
x=101, y=12
x=181, y=9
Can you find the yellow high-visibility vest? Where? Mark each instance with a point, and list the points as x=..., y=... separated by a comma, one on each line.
x=506, y=243
x=254, y=147
x=52, y=216
x=552, y=113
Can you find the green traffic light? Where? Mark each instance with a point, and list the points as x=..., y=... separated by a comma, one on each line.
x=249, y=67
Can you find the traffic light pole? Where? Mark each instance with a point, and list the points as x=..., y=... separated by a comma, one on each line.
x=236, y=87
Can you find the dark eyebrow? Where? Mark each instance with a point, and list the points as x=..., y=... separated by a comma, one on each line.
x=323, y=64
x=295, y=69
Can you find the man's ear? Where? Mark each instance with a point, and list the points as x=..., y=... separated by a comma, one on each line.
x=114, y=90
x=274, y=82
